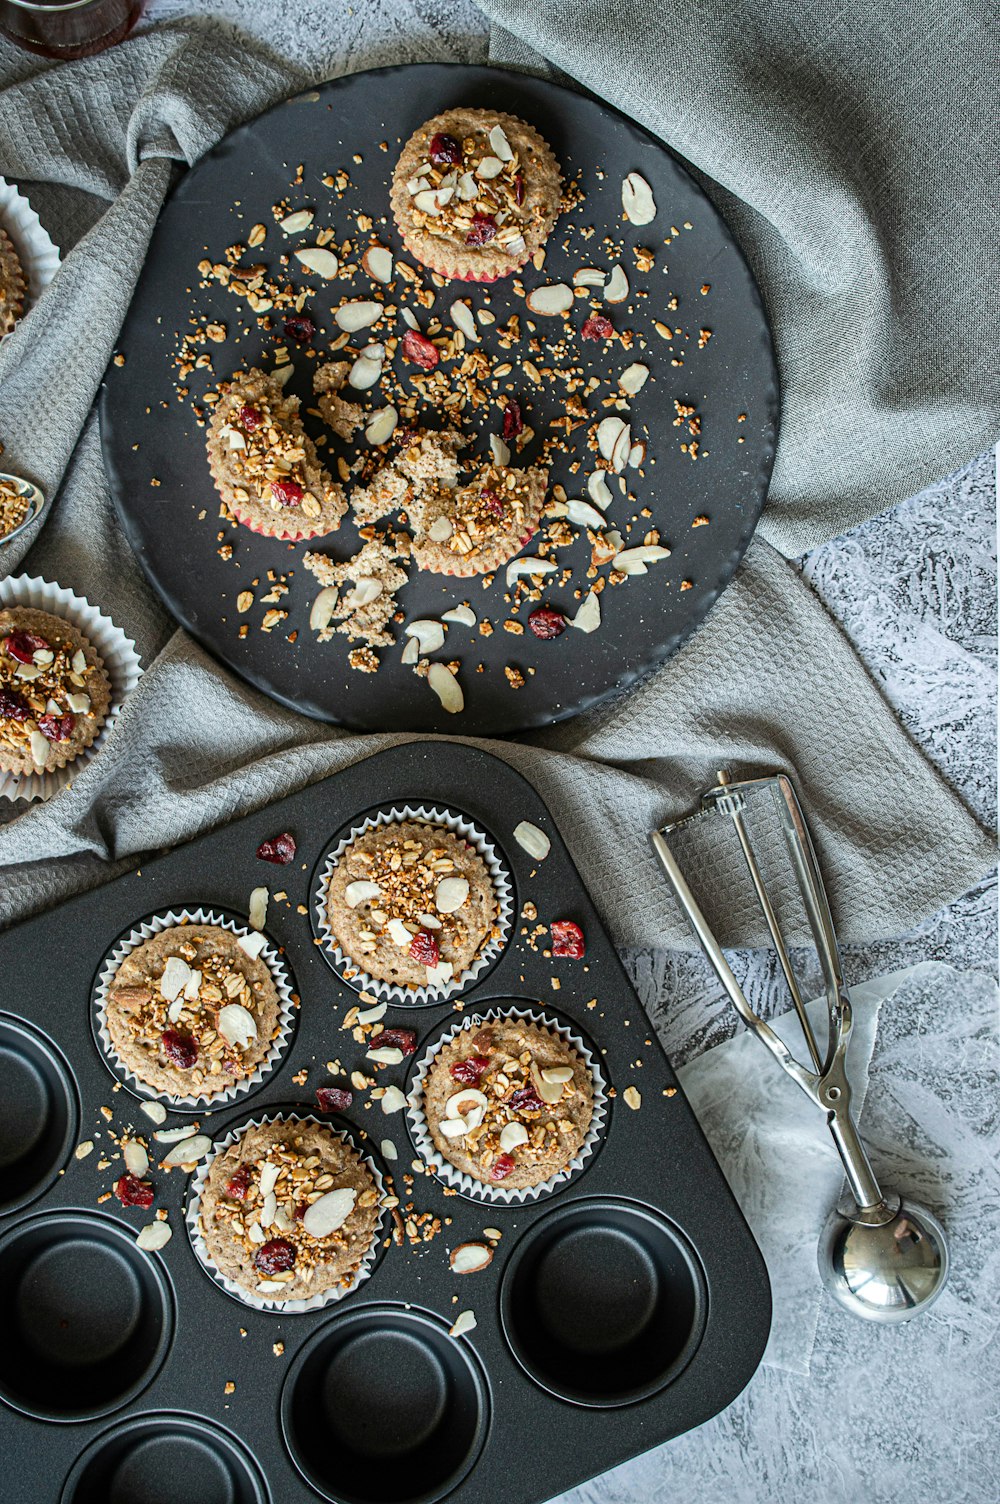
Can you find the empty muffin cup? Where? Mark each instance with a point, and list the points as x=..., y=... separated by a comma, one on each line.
x=382, y=1407
x=603, y=1302
x=145, y=1456
x=39, y=1113
x=86, y=1319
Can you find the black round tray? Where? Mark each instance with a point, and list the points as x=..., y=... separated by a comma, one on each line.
x=149, y=435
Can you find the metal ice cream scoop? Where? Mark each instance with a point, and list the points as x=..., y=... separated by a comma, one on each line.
x=882, y=1257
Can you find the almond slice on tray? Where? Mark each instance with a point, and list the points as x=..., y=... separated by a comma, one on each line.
x=637, y=200
x=552, y=299
x=616, y=288
x=588, y=618
x=534, y=841
x=429, y=635
x=377, y=262
x=447, y=688
x=633, y=378
x=461, y=316
x=469, y=1258
x=634, y=560
x=316, y=258
x=357, y=315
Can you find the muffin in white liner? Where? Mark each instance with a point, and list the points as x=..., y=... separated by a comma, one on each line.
x=116, y=652
x=155, y=925
x=38, y=256
x=351, y=971
x=192, y=1217
x=420, y=1131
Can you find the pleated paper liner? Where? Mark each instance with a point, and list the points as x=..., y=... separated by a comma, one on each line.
x=115, y=651
x=155, y=925
x=351, y=971
x=420, y=1131
x=192, y=1217
x=38, y=256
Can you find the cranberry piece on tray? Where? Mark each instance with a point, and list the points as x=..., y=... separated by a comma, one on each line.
x=597, y=327
x=567, y=939
x=333, y=1098
x=279, y=849
x=131, y=1191
x=547, y=623
x=418, y=348
x=403, y=1039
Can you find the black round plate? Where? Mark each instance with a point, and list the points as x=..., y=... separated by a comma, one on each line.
x=149, y=435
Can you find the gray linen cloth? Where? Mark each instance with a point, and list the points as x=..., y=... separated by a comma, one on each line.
x=767, y=681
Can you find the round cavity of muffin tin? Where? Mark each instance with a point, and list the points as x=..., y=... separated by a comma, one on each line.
x=155, y=924
x=603, y=1302
x=458, y=825
x=382, y=1406
x=146, y=1457
x=39, y=1113
x=86, y=1318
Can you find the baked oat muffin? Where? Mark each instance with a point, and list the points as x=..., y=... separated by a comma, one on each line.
x=288, y=1211
x=411, y=903
x=476, y=528
x=475, y=194
x=54, y=691
x=190, y=1012
x=13, y=287
x=426, y=460
x=508, y=1103
x=265, y=465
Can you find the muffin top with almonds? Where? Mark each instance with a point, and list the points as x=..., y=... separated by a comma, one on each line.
x=13, y=287
x=508, y=1102
x=289, y=1210
x=54, y=691
x=475, y=194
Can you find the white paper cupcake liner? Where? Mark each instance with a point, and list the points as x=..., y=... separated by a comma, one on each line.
x=353, y=973
x=116, y=652
x=38, y=256
x=192, y=1217
x=145, y=931
x=444, y=1170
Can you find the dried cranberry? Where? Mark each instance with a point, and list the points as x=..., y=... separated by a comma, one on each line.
x=418, y=348
x=403, y=1039
x=57, y=728
x=493, y=502
x=23, y=645
x=513, y=423
x=279, y=849
x=131, y=1191
x=501, y=1166
x=518, y=189
x=181, y=1049
x=288, y=493
x=424, y=948
x=238, y=1185
x=482, y=230
x=250, y=417
x=333, y=1098
x=300, y=328
x=275, y=1257
x=546, y=623
x=525, y=1100
x=597, y=327
x=445, y=150
x=13, y=706
x=567, y=938
x=470, y=1071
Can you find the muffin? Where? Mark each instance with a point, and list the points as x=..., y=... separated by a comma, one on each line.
x=13, y=286
x=508, y=1103
x=427, y=460
x=411, y=904
x=288, y=1211
x=190, y=1012
x=475, y=528
x=475, y=194
x=265, y=465
x=54, y=691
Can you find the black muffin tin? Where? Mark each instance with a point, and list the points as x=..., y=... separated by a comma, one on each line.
x=626, y=1306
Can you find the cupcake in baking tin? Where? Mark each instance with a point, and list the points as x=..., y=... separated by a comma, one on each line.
x=287, y=1212
x=413, y=904
x=475, y=194
x=54, y=691
x=194, y=1008
x=508, y=1103
x=13, y=286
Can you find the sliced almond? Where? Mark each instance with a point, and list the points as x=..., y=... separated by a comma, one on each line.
x=598, y=489
x=447, y=688
x=323, y=608
x=360, y=892
x=450, y=894
x=440, y=530
x=237, y=1026
x=634, y=560
x=637, y=200
x=633, y=378
x=429, y=635
x=283, y=374
x=399, y=934
x=534, y=841
x=258, y=908
x=464, y=1322
x=582, y=514
x=155, y=1111
x=268, y=1177
x=329, y=1213
x=637, y=454
x=440, y=975
x=153, y=1236
x=461, y=317
x=315, y=258
x=464, y=615
x=392, y=1100
x=549, y=1091
x=174, y=1135
x=588, y=276
x=616, y=287
x=512, y=1136
x=499, y=449
x=633, y=1098
x=467, y=187
x=461, y=1103
x=175, y=977
x=609, y=431
x=367, y=369
x=489, y=167
x=454, y=1127
x=381, y=425
x=357, y=315
x=187, y=1152
x=372, y=1015
x=411, y=652
x=552, y=299
x=386, y=1054
x=135, y=1157
x=365, y=591
x=588, y=618
x=501, y=146
x=528, y=565
x=558, y=1074
x=41, y=750
x=469, y=1258
x=388, y=1148
x=377, y=262
x=294, y=224
x=79, y=662
x=251, y=945
x=410, y=319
